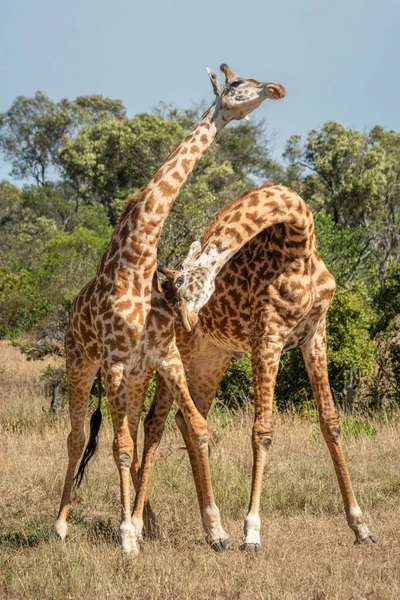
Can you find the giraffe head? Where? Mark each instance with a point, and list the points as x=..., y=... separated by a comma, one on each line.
x=189, y=287
x=239, y=97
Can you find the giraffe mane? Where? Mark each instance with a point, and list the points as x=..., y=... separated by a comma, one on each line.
x=128, y=205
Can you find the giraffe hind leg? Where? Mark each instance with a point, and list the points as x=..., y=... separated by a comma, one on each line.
x=265, y=359
x=314, y=354
x=80, y=379
x=153, y=428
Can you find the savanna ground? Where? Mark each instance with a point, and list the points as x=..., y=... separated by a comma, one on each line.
x=308, y=550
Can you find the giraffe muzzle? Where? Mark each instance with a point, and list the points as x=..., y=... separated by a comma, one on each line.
x=189, y=320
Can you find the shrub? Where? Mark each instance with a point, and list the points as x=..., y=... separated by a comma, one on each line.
x=236, y=387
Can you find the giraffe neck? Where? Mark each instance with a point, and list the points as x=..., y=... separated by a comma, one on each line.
x=140, y=225
x=245, y=218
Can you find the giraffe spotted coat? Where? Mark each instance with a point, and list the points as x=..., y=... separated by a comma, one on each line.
x=269, y=297
x=121, y=323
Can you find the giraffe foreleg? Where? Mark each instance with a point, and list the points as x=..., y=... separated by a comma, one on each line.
x=173, y=372
x=265, y=360
x=136, y=390
x=81, y=375
x=123, y=451
x=207, y=368
x=314, y=354
x=153, y=429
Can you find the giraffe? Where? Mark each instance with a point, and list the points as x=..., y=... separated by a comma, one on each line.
x=269, y=297
x=121, y=324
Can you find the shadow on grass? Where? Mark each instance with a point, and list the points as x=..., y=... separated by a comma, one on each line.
x=101, y=530
x=95, y=530
x=19, y=539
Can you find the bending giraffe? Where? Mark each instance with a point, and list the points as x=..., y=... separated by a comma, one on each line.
x=122, y=324
x=269, y=297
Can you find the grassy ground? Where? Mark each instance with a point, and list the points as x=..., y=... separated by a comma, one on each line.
x=308, y=550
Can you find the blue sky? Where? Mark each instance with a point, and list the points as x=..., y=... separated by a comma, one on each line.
x=338, y=60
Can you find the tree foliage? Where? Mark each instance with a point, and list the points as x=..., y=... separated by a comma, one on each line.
x=33, y=130
x=354, y=177
x=86, y=157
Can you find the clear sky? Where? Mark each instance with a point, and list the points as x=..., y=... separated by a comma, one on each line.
x=338, y=60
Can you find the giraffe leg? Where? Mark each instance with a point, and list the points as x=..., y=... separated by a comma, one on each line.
x=265, y=360
x=205, y=375
x=207, y=368
x=123, y=451
x=81, y=375
x=153, y=429
x=173, y=372
x=155, y=421
x=136, y=389
x=314, y=354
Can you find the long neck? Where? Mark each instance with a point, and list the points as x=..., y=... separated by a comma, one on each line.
x=250, y=214
x=143, y=220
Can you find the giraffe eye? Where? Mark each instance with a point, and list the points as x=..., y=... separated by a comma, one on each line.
x=235, y=83
x=179, y=281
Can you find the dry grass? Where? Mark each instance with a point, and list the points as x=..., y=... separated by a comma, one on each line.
x=308, y=550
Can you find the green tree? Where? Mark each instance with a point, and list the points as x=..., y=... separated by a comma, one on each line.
x=42, y=264
x=31, y=134
x=355, y=178
x=110, y=160
x=351, y=173
x=346, y=250
x=387, y=300
x=34, y=129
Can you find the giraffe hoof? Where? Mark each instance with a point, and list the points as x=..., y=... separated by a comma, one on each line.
x=250, y=548
x=368, y=540
x=221, y=545
x=58, y=532
x=130, y=541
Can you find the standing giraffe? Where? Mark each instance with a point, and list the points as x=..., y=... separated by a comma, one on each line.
x=123, y=325
x=270, y=297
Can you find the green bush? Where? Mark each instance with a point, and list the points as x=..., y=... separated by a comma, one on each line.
x=355, y=427
x=236, y=388
x=349, y=347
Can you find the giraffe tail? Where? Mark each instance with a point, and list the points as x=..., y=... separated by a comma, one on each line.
x=95, y=423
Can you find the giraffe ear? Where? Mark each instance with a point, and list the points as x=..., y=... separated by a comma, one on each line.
x=168, y=273
x=275, y=91
x=217, y=86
